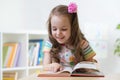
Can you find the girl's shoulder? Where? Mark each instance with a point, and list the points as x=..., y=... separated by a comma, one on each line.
x=48, y=43
x=47, y=46
x=84, y=42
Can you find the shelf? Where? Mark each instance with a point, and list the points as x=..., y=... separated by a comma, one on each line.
x=36, y=67
x=13, y=69
x=22, y=37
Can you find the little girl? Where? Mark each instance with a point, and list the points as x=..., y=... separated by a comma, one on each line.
x=66, y=45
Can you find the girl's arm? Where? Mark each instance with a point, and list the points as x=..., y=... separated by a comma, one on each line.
x=48, y=65
x=47, y=58
x=46, y=51
x=46, y=61
x=88, y=52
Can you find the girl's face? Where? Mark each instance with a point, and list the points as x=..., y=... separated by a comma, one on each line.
x=61, y=28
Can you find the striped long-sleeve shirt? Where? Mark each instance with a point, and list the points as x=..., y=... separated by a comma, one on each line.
x=87, y=50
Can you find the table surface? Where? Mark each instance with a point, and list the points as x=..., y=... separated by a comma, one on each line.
x=107, y=77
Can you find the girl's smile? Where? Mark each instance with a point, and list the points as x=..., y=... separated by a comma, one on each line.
x=59, y=38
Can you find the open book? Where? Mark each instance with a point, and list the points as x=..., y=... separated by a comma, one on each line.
x=82, y=69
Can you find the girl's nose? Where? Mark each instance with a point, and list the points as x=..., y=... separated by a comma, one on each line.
x=58, y=31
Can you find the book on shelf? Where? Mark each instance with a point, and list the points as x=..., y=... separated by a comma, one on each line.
x=31, y=57
x=5, y=52
x=35, y=51
x=10, y=52
x=10, y=75
x=82, y=69
x=16, y=60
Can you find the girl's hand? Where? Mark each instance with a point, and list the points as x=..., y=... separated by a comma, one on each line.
x=54, y=67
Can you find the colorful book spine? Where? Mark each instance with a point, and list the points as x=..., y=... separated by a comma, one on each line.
x=10, y=76
x=9, y=60
x=5, y=51
x=33, y=53
x=7, y=56
x=31, y=57
x=36, y=52
x=39, y=56
x=40, y=59
x=12, y=54
x=16, y=60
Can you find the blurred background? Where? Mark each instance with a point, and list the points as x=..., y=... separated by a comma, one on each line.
x=98, y=20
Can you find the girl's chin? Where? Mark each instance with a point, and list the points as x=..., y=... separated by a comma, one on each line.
x=61, y=42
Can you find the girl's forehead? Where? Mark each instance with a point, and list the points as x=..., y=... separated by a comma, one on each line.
x=60, y=21
x=63, y=19
x=59, y=16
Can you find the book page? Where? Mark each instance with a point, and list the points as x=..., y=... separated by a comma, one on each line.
x=88, y=65
x=64, y=73
x=66, y=70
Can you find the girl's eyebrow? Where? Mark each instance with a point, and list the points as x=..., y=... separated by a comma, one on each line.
x=64, y=26
x=53, y=26
x=61, y=27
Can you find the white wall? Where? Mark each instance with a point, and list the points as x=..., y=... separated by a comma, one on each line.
x=98, y=19
x=32, y=14
x=26, y=14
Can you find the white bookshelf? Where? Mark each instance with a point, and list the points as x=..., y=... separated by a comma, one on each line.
x=23, y=69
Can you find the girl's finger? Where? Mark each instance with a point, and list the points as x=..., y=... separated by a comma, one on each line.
x=61, y=68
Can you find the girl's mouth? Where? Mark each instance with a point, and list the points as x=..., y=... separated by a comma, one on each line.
x=60, y=37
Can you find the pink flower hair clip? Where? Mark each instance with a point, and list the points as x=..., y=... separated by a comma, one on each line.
x=72, y=8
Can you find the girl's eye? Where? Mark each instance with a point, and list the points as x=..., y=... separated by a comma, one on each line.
x=64, y=29
x=54, y=29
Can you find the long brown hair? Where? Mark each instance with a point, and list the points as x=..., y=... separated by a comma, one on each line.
x=76, y=35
